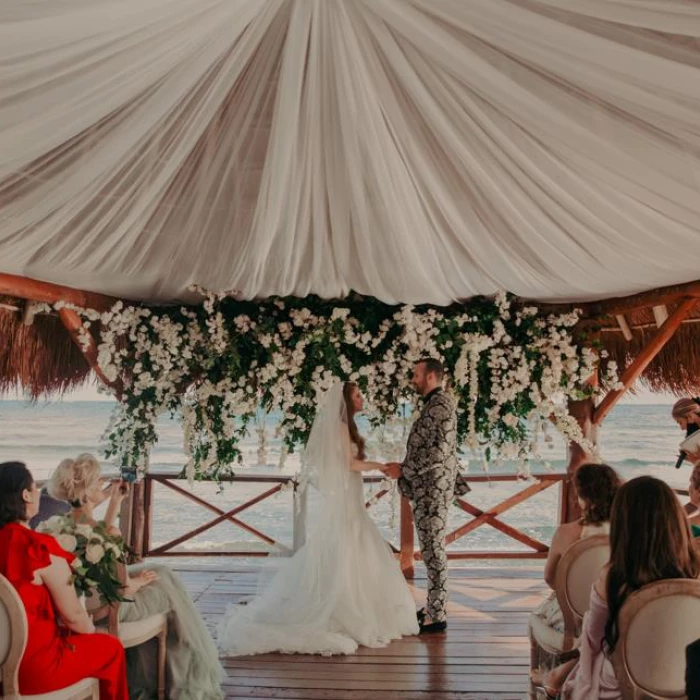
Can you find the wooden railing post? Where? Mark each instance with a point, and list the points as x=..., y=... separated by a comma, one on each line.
x=565, y=487
x=582, y=411
x=147, y=515
x=137, y=518
x=125, y=519
x=299, y=517
x=406, y=552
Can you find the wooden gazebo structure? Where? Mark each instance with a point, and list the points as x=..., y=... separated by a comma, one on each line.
x=416, y=151
x=652, y=336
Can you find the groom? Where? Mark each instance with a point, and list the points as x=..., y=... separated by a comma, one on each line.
x=427, y=477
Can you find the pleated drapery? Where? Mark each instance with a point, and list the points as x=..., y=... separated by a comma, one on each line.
x=413, y=150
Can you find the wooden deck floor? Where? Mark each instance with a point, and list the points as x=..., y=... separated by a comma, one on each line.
x=484, y=655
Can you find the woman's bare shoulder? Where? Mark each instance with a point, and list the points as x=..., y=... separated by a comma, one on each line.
x=568, y=533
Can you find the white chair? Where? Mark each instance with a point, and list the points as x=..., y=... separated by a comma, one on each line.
x=131, y=634
x=577, y=571
x=13, y=642
x=655, y=624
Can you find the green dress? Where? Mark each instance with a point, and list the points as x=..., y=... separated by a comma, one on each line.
x=193, y=671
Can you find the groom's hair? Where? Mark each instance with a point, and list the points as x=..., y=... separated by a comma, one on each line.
x=432, y=365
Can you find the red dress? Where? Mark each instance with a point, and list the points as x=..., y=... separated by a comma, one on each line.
x=55, y=658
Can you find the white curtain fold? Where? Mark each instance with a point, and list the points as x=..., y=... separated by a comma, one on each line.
x=414, y=150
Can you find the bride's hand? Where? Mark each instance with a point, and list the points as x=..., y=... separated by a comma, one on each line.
x=392, y=470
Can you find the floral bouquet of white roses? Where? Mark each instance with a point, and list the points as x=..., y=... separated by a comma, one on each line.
x=98, y=554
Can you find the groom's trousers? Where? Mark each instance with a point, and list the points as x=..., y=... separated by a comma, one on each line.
x=430, y=516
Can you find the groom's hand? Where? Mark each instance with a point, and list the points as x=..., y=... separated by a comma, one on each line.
x=393, y=470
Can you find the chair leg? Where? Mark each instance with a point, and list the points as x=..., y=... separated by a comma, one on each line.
x=161, y=664
x=534, y=664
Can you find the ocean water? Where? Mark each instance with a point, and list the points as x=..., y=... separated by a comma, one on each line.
x=635, y=439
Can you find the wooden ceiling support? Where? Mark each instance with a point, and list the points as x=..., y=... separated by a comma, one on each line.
x=86, y=344
x=624, y=327
x=49, y=293
x=660, y=314
x=635, y=369
x=654, y=297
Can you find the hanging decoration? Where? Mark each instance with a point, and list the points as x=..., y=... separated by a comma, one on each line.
x=216, y=364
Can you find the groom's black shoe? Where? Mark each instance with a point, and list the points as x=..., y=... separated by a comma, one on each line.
x=432, y=627
x=420, y=614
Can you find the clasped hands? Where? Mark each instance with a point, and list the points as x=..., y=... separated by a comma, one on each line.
x=392, y=470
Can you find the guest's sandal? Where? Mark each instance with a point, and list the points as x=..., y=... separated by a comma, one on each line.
x=538, y=684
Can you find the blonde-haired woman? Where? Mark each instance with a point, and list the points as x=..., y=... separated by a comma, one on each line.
x=686, y=412
x=193, y=669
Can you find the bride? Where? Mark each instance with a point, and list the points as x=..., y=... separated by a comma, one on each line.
x=343, y=588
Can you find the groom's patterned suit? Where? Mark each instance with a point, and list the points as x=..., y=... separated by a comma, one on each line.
x=428, y=479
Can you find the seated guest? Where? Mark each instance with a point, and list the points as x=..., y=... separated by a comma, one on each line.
x=48, y=507
x=649, y=541
x=193, y=669
x=694, y=503
x=596, y=486
x=36, y=566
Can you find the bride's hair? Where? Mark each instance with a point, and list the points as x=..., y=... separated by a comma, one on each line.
x=350, y=413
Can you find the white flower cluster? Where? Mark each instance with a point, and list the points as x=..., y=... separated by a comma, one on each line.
x=216, y=364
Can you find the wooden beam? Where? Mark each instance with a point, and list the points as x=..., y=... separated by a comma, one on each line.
x=643, y=300
x=636, y=368
x=660, y=315
x=74, y=325
x=619, y=305
x=624, y=327
x=49, y=293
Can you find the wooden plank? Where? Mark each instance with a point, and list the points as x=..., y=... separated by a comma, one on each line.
x=660, y=314
x=641, y=362
x=484, y=653
x=49, y=293
x=624, y=327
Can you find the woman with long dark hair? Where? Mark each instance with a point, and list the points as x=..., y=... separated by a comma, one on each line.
x=649, y=541
x=596, y=486
x=39, y=570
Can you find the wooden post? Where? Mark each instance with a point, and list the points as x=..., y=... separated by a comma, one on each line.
x=147, y=515
x=137, y=518
x=299, y=518
x=407, y=547
x=125, y=518
x=582, y=411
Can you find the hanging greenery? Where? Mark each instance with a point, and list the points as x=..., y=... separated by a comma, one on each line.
x=216, y=364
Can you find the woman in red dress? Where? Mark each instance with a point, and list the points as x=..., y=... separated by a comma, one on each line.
x=56, y=656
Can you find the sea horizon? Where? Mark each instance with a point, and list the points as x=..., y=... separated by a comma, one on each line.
x=635, y=439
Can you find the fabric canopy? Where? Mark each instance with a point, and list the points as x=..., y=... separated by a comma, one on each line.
x=413, y=150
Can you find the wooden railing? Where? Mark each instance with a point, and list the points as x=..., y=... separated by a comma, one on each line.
x=142, y=510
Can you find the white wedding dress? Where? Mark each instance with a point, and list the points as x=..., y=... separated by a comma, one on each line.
x=344, y=587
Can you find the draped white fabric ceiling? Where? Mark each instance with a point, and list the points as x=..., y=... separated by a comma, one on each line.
x=414, y=150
